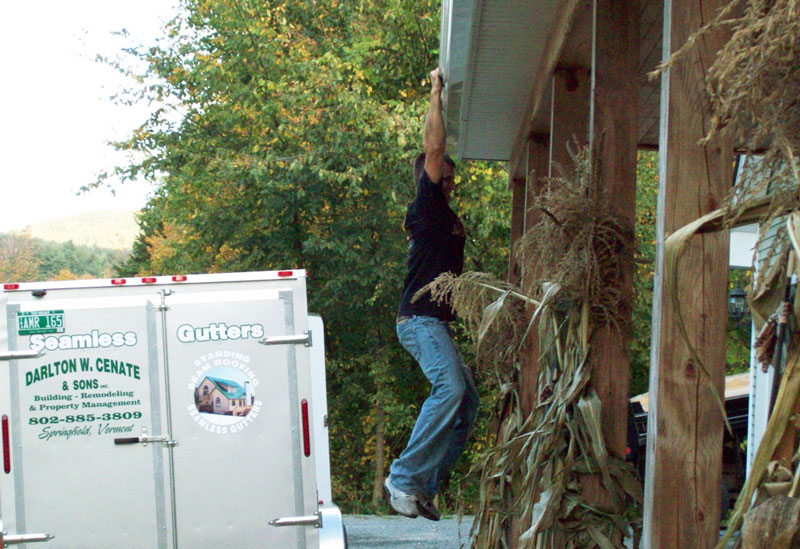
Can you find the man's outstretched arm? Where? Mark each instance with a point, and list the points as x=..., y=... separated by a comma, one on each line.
x=434, y=138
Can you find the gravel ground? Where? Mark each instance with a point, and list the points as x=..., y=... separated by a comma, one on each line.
x=369, y=532
x=395, y=532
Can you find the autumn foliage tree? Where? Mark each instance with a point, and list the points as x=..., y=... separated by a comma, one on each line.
x=26, y=259
x=18, y=260
x=285, y=139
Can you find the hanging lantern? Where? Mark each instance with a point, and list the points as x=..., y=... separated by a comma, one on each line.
x=737, y=303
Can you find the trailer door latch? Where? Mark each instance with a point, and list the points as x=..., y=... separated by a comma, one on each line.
x=314, y=520
x=143, y=439
x=7, y=539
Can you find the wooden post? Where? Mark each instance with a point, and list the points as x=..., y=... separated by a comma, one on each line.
x=614, y=123
x=569, y=115
x=537, y=165
x=684, y=438
x=518, y=196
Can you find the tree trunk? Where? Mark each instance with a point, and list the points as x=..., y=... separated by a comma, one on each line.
x=380, y=456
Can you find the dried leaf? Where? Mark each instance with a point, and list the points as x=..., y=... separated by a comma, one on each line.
x=772, y=524
x=590, y=409
x=602, y=541
x=544, y=511
x=490, y=314
x=788, y=393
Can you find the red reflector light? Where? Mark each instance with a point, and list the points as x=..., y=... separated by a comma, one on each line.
x=284, y=274
x=11, y=286
x=149, y=280
x=306, y=431
x=118, y=281
x=179, y=278
x=6, y=447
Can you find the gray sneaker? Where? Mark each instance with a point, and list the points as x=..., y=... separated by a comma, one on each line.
x=404, y=504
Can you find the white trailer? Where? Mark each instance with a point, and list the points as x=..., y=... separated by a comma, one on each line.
x=165, y=412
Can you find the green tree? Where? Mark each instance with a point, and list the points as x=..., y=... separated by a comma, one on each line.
x=27, y=259
x=643, y=279
x=288, y=142
x=738, y=333
x=82, y=261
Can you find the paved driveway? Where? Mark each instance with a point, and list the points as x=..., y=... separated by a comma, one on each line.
x=395, y=532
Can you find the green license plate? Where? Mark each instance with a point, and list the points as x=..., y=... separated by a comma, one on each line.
x=40, y=322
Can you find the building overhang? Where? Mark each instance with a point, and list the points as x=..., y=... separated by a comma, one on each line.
x=498, y=59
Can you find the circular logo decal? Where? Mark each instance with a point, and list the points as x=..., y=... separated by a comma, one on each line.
x=224, y=390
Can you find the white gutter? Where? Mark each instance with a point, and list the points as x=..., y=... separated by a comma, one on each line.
x=456, y=38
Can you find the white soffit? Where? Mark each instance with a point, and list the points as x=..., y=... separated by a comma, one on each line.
x=743, y=243
x=490, y=52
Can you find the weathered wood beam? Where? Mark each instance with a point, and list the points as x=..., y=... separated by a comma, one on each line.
x=537, y=166
x=550, y=57
x=569, y=114
x=569, y=119
x=537, y=162
x=537, y=159
x=613, y=126
x=518, y=199
x=684, y=439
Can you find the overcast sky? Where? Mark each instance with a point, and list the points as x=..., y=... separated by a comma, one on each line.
x=55, y=112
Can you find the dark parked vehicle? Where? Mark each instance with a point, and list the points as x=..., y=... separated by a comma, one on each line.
x=737, y=405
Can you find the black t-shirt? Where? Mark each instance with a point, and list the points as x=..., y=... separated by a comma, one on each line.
x=436, y=246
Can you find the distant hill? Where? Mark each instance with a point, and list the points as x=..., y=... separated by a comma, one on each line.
x=113, y=229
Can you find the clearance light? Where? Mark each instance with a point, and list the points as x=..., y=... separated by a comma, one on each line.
x=284, y=274
x=118, y=281
x=306, y=434
x=179, y=278
x=11, y=286
x=6, y=447
x=149, y=280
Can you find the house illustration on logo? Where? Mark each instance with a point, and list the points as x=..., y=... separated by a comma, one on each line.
x=221, y=396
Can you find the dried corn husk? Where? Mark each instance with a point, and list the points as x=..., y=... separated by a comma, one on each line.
x=772, y=524
x=533, y=472
x=532, y=480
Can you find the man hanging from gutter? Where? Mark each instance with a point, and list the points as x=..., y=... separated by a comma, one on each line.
x=436, y=246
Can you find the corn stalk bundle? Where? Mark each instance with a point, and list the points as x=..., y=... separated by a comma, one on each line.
x=576, y=242
x=533, y=481
x=534, y=472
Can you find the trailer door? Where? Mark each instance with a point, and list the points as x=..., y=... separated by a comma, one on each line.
x=236, y=412
x=96, y=381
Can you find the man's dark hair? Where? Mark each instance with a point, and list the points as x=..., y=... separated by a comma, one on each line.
x=419, y=165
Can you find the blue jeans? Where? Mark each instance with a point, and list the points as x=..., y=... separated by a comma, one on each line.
x=447, y=415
